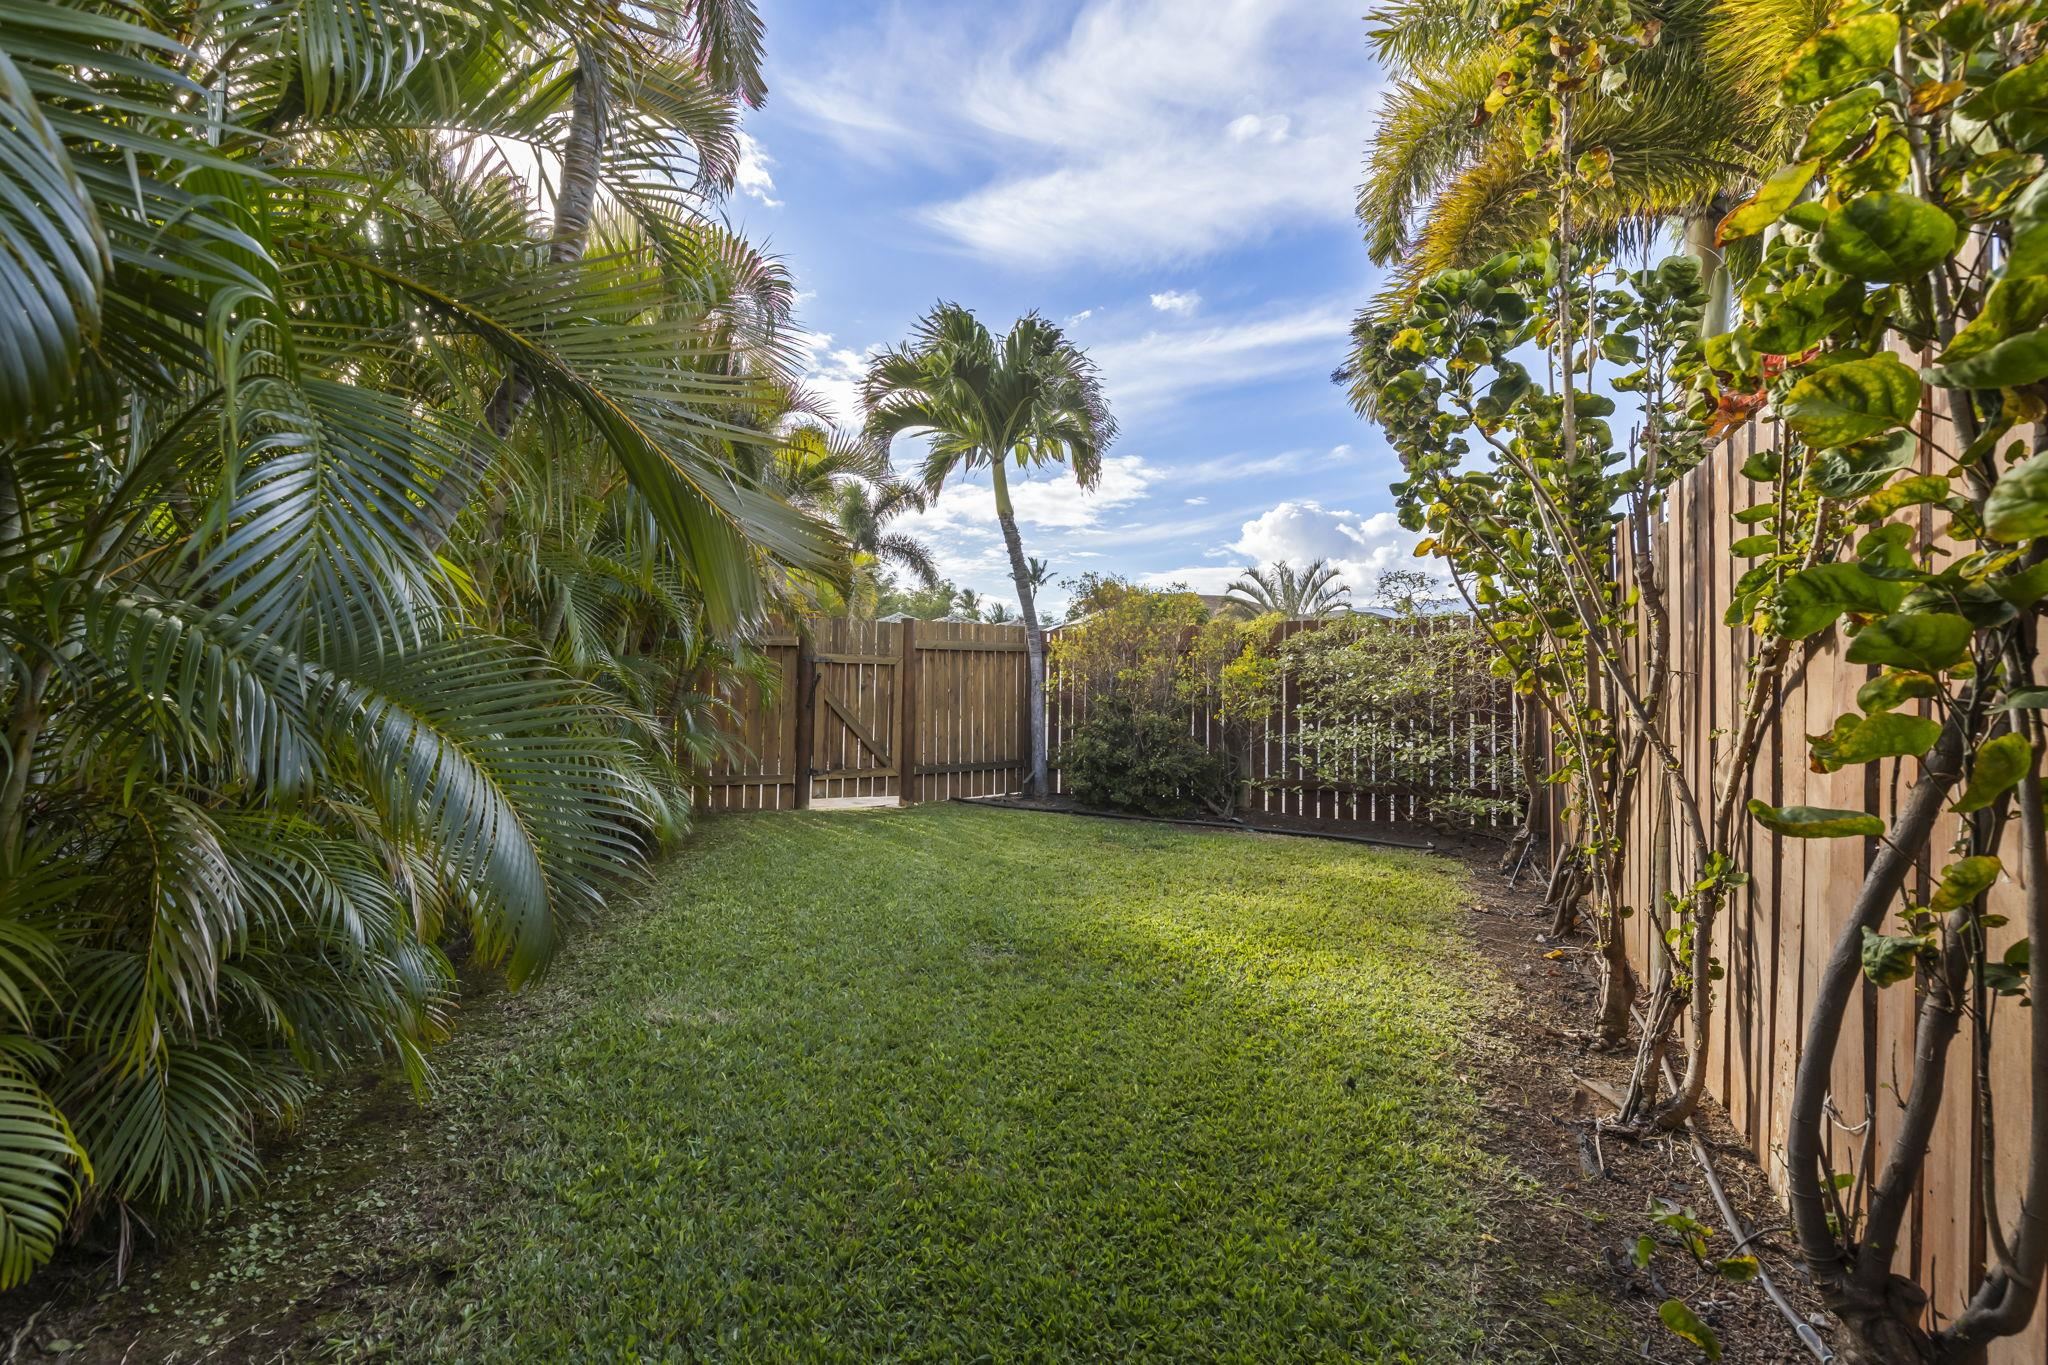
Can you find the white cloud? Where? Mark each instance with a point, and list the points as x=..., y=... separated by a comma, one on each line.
x=1047, y=500
x=832, y=375
x=1058, y=521
x=1213, y=578
x=1121, y=137
x=1259, y=128
x=754, y=177
x=1175, y=301
x=1195, y=502
x=1361, y=548
x=1153, y=370
x=1075, y=320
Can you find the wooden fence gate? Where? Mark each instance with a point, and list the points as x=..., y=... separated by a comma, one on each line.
x=881, y=711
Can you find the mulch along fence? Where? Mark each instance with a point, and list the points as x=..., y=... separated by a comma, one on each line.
x=1780, y=928
x=931, y=710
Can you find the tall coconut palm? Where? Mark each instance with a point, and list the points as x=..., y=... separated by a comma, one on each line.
x=1311, y=591
x=1031, y=398
x=1040, y=574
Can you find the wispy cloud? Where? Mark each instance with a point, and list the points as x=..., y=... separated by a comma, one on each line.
x=754, y=176
x=1175, y=301
x=831, y=377
x=1162, y=364
x=1144, y=131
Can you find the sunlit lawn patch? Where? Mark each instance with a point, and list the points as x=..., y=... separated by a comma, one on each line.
x=954, y=1083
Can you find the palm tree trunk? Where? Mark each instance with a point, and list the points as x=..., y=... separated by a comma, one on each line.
x=1036, y=784
x=582, y=157
x=1714, y=279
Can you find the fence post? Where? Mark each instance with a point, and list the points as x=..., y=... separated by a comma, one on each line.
x=906, y=714
x=806, y=705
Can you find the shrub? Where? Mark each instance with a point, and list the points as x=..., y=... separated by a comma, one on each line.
x=1132, y=757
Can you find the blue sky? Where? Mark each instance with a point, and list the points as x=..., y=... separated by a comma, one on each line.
x=1172, y=179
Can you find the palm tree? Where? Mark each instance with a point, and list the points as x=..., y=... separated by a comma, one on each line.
x=286, y=710
x=1309, y=592
x=1039, y=573
x=968, y=604
x=1033, y=398
x=845, y=479
x=1697, y=122
x=998, y=614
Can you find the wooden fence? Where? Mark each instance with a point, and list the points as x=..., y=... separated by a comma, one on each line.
x=922, y=711
x=1780, y=929
x=892, y=710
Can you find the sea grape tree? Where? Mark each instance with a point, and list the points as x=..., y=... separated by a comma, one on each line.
x=1894, y=325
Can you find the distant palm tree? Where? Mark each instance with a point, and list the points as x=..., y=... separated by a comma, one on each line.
x=1031, y=397
x=845, y=479
x=1308, y=592
x=998, y=614
x=1039, y=573
x=968, y=604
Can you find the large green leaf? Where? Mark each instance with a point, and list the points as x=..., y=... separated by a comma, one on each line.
x=1679, y=1317
x=1802, y=313
x=1925, y=641
x=1852, y=401
x=2018, y=506
x=1963, y=881
x=1891, y=958
x=2013, y=306
x=1813, y=599
x=1839, y=57
x=1816, y=822
x=2007, y=364
x=1863, y=467
x=54, y=259
x=1895, y=688
x=1844, y=118
x=1886, y=237
x=1867, y=738
x=2000, y=764
x=1769, y=203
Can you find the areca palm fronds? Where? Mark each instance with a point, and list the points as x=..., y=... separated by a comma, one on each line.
x=1030, y=398
x=1310, y=591
x=283, y=332
x=1447, y=186
x=846, y=480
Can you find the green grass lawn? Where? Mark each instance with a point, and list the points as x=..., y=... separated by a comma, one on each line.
x=955, y=1084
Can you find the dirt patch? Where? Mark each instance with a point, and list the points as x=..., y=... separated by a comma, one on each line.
x=1565, y=1258
x=355, y=1202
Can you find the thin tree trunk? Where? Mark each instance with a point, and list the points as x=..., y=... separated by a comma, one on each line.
x=24, y=728
x=582, y=158
x=1872, y=1316
x=1036, y=783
